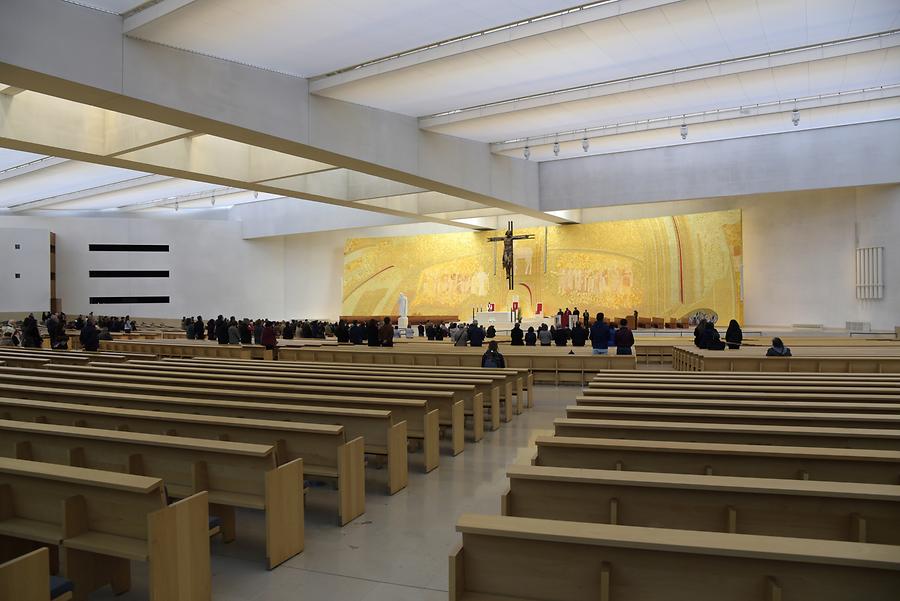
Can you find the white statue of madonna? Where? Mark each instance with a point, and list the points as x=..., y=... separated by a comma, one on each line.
x=403, y=322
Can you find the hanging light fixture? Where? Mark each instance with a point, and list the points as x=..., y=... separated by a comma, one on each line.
x=212, y=202
x=585, y=144
x=527, y=152
x=684, y=130
x=556, y=148
x=795, y=114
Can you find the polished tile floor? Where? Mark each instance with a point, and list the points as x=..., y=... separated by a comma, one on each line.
x=396, y=551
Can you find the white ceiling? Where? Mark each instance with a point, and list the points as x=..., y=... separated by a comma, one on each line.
x=59, y=182
x=691, y=32
x=111, y=6
x=311, y=37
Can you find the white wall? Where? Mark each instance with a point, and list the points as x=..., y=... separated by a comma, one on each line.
x=798, y=259
x=31, y=261
x=212, y=270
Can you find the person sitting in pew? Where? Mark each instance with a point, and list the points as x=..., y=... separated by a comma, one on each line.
x=733, y=335
x=546, y=335
x=492, y=357
x=561, y=336
x=778, y=349
x=530, y=337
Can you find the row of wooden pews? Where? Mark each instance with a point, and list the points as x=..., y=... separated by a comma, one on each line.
x=244, y=435
x=667, y=485
x=877, y=357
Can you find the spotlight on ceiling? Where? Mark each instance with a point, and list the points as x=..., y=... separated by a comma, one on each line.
x=176, y=206
x=556, y=148
x=212, y=201
x=255, y=194
x=527, y=152
x=585, y=144
x=795, y=117
x=684, y=131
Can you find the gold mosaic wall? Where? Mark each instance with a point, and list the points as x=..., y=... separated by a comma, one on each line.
x=661, y=267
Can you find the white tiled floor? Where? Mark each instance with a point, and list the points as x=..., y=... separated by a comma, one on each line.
x=398, y=550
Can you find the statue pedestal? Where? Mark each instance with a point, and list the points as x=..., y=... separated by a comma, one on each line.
x=403, y=322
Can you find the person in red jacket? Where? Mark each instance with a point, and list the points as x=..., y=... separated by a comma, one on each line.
x=624, y=339
x=268, y=338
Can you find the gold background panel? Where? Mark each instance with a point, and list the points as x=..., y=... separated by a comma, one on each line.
x=661, y=267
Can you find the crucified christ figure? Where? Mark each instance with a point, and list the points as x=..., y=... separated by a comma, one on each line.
x=508, y=260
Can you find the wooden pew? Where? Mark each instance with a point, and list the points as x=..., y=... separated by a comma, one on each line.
x=53, y=357
x=233, y=474
x=551, y=367
x=27, y=578
x=522, y=379
x=823, y=407
x=746, y=460
x=325, y=451
x=102, y=521
x=475, y=393
x=487, y=387
x=449, y=406
x=421, y=420
x=531, y=559
x=738, y=433
x=725, y=390
x=22, y=360
x=824, y=393
x=187, y=348
x=734, y=416
x=380, y=435
x=768, y=378
x=766, y=506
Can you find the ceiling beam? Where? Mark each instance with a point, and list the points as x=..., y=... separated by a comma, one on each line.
x=134, y=20
x=685, y=74
x=30, y=167
x=127, y=184
x=572, y=17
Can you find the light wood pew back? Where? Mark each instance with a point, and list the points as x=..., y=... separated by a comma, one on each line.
x=530, y=559
x=233, y=474
x=489, y=388
x=324, y=449
x=687, y=403
x=739, y=433
x=422, y=421
x=825, y=393
x=746, y=387
x=27, y=578
x=103, y=520
x=745, y=460
x=766, y=506
x=735, y=416
x=450, y=410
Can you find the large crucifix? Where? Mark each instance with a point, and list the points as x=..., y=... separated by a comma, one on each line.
x=509, y=263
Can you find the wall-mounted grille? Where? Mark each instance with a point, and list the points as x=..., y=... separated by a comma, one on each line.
x=870, y=273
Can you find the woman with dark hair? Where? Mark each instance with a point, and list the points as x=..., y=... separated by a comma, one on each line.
x=733, y=335
x=778, y=349
x=530, y=337
x=492, y=357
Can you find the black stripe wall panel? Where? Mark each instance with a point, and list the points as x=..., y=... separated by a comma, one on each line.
x=128, y=300
x=131, y=248
x=128, y=273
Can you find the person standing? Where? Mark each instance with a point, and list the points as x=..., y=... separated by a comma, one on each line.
x=221, y=330
x=624, y=338
x=372, y=333
x=545, y=335
x=579, y=334
x=234, y=335
x=211, y=329
x=356, y=333
x=600, y=336
x=516, y=335
x=733, y=335
x=90, y=337
x=476, y=334
x=267, y=337
x=199, y=331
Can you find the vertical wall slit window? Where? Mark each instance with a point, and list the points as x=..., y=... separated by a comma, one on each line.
x=132, y=248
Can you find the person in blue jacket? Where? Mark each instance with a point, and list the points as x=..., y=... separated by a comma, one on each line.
x=600, y=336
